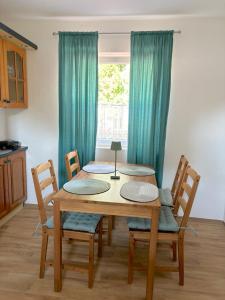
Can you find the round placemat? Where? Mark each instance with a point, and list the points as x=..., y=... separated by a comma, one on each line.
x=136, y=171
x=86, y=186
x=139, y=191
x=99, y=169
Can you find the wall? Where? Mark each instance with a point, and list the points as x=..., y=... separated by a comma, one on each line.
x=2, y=124
x=197, y=109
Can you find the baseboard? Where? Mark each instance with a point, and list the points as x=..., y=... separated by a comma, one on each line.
x=11, y=214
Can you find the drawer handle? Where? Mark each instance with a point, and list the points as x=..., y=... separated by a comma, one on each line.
x=7, y=161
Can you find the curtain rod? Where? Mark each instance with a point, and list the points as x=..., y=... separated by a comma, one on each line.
x=103, y=33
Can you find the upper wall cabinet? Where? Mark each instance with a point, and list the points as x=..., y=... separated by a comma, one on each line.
x=14, y=83
x=1, y=71
x=13, y=72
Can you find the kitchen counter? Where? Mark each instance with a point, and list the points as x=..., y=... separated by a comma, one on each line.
x=8, y=152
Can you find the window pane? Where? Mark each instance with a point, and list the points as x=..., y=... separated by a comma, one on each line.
x=20, y=91
x=113, y=104
x=112, y=124
x=12, y=90
x=11, y=63
x=19, y=66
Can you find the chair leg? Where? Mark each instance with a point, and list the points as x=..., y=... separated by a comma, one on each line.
x=44, y=246
x=174, y=248
x=110, y=224
x=113, y=222
x=100, y=239
x=91, y=262
x=131, y=258
x=181, y=260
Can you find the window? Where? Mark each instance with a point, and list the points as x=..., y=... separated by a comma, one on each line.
x=113, y=104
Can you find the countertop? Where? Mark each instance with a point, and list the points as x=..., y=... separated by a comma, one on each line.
x=4, y=153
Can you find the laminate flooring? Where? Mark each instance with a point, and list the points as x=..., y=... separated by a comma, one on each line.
x=20, y=253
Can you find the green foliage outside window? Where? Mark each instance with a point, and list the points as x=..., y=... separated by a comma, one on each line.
x=113, y=83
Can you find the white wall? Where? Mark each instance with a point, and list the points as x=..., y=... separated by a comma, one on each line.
x=3, y=133
x=197, y=109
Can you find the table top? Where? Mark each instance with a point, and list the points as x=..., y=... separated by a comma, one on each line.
x=112, y=196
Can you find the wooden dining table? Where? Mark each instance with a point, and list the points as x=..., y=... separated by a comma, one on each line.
x=107, y=203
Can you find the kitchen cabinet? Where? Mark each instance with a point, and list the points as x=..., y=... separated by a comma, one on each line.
x=4, y=197
x=13, y=73
x=1, y=72
x=13, y=183
x=13, y=76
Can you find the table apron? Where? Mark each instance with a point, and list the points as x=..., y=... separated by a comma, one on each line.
x=112, y=209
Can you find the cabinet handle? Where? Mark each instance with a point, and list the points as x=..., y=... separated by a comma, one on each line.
x=6, y=100
x=7, y=161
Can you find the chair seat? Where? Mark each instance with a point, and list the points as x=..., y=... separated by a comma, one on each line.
x=77, y=221
x=165, y=196
x=167, y=222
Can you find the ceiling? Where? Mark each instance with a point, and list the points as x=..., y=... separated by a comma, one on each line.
x=112, y=8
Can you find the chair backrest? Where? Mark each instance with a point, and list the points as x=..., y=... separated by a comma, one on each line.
x=186, y=195
x=72, y=163
x=41, y=185
x=182, y=166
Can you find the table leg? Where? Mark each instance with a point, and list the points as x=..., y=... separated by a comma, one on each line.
x=152, y=253
x=57, y=248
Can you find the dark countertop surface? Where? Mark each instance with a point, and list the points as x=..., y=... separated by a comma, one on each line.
x=4, y=153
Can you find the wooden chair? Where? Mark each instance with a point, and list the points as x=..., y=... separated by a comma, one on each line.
x=77, y=226
x=168, y=197
x=73, y=167
x=169, y=229
x=72, y=164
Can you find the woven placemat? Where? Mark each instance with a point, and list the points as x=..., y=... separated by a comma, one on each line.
x=99, y=169
x=139, y=191
x=86, y=186
x=136, y=171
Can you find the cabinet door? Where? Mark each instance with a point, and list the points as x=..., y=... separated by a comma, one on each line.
x=15, y=76
x=17, y=173
x=1, y=75
x=4, y=196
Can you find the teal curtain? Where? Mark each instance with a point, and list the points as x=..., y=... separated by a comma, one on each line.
x=150, y=76
x=78, y=96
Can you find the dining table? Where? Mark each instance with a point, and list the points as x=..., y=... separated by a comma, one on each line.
x=107, y=203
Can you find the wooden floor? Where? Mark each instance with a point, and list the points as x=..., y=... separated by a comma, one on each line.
x=19, y=265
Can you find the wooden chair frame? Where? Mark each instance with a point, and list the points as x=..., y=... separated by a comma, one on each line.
x=178, y=179
x=75, y=167
x=43, y=202
x=176, y=238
